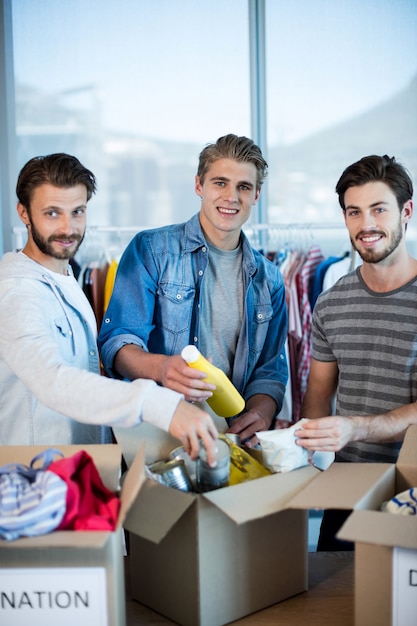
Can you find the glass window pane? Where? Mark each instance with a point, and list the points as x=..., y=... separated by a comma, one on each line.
x=342, y=84
x=135, y=89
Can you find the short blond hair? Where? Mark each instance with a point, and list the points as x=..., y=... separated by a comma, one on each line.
x=240, y=149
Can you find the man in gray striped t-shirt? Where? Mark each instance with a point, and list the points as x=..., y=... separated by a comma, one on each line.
x=365, y=328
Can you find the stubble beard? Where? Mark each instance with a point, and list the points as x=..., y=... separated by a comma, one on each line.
x=370, y=256
x=46, y=245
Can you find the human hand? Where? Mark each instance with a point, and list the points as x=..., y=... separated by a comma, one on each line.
x=325, y=433
x=192, y=426
x=180, y=377
x=281, y=424
x=247, y=424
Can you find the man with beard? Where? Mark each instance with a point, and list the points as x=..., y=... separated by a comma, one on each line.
x=52, y=391
x=365, y=331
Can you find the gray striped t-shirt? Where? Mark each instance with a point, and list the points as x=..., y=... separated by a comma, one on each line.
x=373, y=338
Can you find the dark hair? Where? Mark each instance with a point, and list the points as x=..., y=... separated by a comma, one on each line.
x=377, y=168
x=60, y=170
x=233, y=147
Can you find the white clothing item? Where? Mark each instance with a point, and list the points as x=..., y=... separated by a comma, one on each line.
x=339, y=269
x=404, y=503
x=280, y=453
x=52, y=392
x=286, y=410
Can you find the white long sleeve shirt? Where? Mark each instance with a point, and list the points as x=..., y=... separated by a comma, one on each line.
x=51, y=390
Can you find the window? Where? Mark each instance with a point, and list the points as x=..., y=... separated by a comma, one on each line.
x=135, y=89
x=341, y=84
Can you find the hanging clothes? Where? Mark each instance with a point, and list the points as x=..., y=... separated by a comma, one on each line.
x=319, y=275
x=304, y=284
x=304, y=268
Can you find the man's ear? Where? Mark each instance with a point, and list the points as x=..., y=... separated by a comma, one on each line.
x=23, y=213
x=407, y=211
x=198, y=186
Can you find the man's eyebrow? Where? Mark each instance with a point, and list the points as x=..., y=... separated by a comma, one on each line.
x=52, y=207
x=371, y=206
x=224, y=179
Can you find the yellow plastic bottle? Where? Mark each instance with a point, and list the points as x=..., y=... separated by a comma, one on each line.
x=226, y=401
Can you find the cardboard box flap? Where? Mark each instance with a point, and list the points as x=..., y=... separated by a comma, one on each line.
x=407, y=461
x=258, y=498
x=158, y=443
x=408, y=452
x=132, y=483
x=156, y=510
x=379, y=528
x=348, y=486
x=107, y=458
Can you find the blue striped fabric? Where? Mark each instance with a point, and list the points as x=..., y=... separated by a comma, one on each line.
x=32, y=501
x=404, y=503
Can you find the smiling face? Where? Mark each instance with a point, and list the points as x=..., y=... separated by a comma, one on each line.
x=56, y=222
x=374, y=220
x=227, y=194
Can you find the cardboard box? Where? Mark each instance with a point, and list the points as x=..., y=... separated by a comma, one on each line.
x=386, y=551
x=209, y=559
x=68, y=577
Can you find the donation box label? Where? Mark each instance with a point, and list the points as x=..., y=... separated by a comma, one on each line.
x=51, y=596
x=404, y=587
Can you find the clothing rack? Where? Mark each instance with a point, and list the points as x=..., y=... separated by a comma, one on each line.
x=103, y=243
x=332, y=238
x=252, y=230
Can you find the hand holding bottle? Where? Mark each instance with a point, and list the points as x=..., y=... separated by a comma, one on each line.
x=175, y=374
x=226, y=401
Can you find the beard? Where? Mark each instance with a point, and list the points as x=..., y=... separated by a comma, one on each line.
x=46, y=245
x=370, y=256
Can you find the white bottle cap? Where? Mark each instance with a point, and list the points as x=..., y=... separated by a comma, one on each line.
x=190, y=354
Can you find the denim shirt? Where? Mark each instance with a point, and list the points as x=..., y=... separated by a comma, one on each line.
x=156, y=305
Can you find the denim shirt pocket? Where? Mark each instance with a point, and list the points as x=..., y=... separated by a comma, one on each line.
x=262, y=315
x=65, y=339
x=175, y=307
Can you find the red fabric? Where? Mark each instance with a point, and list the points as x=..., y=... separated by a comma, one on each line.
x=90, y=505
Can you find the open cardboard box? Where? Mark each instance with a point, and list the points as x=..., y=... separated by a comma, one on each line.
x=209, y=559
x=68, y=577
x=386, y=550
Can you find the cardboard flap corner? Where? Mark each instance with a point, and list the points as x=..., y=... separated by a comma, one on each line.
x=132, y=483
x=158, y=443
x=407, y=461
x=259, y=498
x=408, y=449
x=156, y=509
x=381, y=528
x=347, y=486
